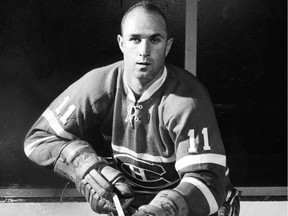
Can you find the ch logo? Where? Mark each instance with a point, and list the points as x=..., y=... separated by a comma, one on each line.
x=137, y=172
x=146, y=174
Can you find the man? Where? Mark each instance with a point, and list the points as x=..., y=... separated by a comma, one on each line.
x=166, y=146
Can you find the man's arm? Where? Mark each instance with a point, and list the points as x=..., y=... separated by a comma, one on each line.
x=200, y=161
x=56, y=141
x=65, y=120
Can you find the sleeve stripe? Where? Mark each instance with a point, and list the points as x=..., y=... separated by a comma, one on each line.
x=200, y=159
x=205, y=191
x=48, y=114
x=31, y=146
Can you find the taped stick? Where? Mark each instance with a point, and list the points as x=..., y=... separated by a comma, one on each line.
x=118, y=205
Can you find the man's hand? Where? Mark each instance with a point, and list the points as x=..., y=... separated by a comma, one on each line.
x=99, y=185
x=231, y=206
x=166, y=203
x=150, y=210
x=93, y=177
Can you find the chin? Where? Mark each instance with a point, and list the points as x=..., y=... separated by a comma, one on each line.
x=144, y=75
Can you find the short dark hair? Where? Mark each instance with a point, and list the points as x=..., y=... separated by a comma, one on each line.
x=147, y=6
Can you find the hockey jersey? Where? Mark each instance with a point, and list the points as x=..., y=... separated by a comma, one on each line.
x=168, y=138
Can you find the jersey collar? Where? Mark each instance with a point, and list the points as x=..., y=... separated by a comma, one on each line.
x=148, y=92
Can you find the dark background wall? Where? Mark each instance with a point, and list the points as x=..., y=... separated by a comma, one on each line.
x=242, y=60
x=46, y=45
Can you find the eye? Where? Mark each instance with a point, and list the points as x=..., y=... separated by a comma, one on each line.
x=135, y=39
x=155, y=40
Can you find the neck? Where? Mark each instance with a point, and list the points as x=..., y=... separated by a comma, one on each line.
x=139, y=86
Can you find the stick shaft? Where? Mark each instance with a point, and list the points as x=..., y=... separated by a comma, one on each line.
x=118, y=205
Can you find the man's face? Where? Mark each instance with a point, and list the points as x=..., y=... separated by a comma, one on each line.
x=144, y=44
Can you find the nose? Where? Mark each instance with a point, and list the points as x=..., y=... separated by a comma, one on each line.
x=144, y=48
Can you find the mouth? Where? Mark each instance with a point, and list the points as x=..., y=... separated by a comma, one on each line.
x=143, y=63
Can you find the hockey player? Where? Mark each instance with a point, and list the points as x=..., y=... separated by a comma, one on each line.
x=164, y=140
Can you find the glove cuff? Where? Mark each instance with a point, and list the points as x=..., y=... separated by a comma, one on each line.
x=112, y=175
x=172, y=202
x=76, y=160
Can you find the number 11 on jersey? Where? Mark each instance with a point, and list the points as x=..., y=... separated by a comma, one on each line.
x=193, y=148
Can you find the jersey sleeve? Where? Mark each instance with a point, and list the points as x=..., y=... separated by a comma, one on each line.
x=80, y=106
x=200, y=155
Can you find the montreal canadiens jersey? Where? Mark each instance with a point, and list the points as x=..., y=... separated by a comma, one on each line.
x=168, y=138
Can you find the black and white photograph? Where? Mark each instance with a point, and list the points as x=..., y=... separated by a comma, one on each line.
x=143, y=108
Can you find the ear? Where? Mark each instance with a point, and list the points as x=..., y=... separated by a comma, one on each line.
x=120, y=42
x=168, y=46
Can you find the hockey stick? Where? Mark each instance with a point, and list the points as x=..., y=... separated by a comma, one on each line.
x=118, y=206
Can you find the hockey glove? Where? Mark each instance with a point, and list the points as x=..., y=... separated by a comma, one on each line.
x=166, y=203
x=93, y=177
x=231, y=205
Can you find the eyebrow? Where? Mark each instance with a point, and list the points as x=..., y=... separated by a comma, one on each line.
x=154, y=35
